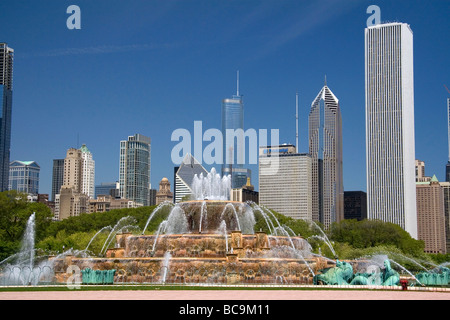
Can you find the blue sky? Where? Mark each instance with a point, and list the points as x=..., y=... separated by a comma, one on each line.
x=151, y=67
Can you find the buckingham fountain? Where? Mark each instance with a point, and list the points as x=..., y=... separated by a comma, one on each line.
x=207, y=240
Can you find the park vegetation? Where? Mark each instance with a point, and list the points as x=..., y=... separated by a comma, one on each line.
x=349, y=239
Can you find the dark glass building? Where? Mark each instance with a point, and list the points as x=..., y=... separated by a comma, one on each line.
x=57, y=177
x=355, y=205
x=6, y=71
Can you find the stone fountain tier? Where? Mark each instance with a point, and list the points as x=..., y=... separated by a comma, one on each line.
x=228, y=270
x=213, y=245
x=206, y=216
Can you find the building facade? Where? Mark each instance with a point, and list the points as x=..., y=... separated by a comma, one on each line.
x=286, y=186
x=164, y=193
x=57, y=177
x=87, y=172
x=355, y=205
x=390, y=147
x=234, y=153
x=6, y=93
x=184, y=176
x=72, y=169
x=446, y=190
x=245, y=193
x=24, y=176
x=69, y=203
x=134, y=168
x=431, y=216
x=107, y=188
x=325, y=147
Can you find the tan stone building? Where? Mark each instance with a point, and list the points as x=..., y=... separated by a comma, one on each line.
x=105, y=203
x=430, y=215
x=69, y=203
x=164, y=193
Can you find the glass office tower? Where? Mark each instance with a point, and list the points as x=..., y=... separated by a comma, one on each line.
x=134, y=169
x=233, y=150
x=6, y=71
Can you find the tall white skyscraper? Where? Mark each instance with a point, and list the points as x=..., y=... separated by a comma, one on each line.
x=390, y=149
x=87, y=172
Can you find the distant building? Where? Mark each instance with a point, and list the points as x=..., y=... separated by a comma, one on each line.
x=420, y=172
x=244, y=194
x=87, y=172
x=77, y=179
x=107, y=188
x=164, y=193
x=446, y=189
x=57, y=177
x=69, y=203
x=233, y=153
x=285, y=183
x=106, y=203
x=431, y=216
x=134, y=168
x=24, y=176
x=152, y=197
x=355, y=205
x=6, y=93
x=73, y=170
x=184, y=176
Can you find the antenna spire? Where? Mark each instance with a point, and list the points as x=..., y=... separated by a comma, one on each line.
x=325, y=80
x=237, y=85
x=296, y=121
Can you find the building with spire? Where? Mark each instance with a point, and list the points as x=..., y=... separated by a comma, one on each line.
x=234, y=154
x=325, y=148
x=6, y=93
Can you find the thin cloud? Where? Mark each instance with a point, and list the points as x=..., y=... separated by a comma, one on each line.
x=104, y=49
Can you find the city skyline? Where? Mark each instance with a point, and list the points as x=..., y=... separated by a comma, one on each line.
x=68, y=90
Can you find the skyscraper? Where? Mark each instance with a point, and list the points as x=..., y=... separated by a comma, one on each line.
x=73, y=170
x=87, y=172
x=134, y=168
x=325, y=147
x=6, y=91
x=390, y=149
x=447, y=167
x=234, y=153
x=57, y=177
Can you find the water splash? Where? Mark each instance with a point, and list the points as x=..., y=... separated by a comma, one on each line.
x=158, y=208
x=211, y=186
